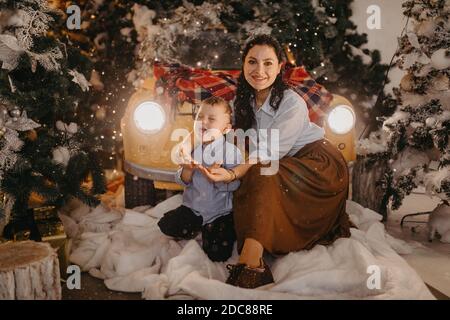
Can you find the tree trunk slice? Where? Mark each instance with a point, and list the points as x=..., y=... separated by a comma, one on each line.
x=365, y=190
x=29, y=270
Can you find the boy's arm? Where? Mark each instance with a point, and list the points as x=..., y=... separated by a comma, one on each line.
x=183, y=176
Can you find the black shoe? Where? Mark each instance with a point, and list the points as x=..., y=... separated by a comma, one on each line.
x=245, y=277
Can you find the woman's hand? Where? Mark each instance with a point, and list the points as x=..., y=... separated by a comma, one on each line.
x=215, y=173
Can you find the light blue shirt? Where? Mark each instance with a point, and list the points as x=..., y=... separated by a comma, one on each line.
x=208, y=199
x=291, y=120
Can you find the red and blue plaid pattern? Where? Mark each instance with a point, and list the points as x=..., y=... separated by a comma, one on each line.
x=194, y=85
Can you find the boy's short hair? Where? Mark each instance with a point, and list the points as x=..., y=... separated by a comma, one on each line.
x=213, y=100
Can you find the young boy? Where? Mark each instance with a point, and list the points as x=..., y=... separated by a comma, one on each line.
x=207, y=206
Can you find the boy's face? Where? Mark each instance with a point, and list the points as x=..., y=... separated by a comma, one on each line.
x=211, y=122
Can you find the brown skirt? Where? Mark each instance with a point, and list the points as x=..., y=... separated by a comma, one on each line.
x=300, y=206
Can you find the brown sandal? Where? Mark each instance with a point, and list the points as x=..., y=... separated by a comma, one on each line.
x=243, y=276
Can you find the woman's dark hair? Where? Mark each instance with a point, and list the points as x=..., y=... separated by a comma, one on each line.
x=245, y=93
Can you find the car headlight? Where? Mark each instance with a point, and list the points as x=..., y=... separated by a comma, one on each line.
x=149, y=117
x=341, y=119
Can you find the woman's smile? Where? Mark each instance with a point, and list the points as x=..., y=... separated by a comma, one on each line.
x=259, y=78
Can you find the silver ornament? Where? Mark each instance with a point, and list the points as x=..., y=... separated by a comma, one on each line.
x=330, y=32
x=15, y=113
x=2, y=132
x=3, y=110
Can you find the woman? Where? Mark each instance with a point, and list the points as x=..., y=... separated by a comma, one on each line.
x=303, y=204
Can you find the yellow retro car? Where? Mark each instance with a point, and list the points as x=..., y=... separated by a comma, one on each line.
x=147, y=127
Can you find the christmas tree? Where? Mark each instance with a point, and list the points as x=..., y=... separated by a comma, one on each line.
x=414, y=141
x=50, y=156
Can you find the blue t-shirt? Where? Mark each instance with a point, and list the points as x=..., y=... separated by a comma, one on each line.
x=205, y=198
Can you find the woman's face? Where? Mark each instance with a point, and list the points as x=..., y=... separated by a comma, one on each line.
x=261, y=67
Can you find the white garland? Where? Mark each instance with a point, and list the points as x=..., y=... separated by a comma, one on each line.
x=10, y=141
x=33, y=22
x=28, y=23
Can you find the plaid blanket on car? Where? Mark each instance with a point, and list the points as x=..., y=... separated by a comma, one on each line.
x=194, y=85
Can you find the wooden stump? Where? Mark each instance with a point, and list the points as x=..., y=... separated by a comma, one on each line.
x=365, y=189
x=29, y=270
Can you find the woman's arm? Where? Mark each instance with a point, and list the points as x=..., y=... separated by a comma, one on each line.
x=289, y=122
x=242, y=169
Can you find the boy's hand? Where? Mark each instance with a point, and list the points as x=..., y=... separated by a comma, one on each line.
x=216, y=173
x=215, y=165
x=187, y=161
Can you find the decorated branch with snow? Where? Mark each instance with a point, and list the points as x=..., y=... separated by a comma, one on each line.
x=415, y=139
x=46, y=157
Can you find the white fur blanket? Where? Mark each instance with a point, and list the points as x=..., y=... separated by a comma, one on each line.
x=128, y=251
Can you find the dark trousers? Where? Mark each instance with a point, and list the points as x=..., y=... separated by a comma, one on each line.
x=217, y=237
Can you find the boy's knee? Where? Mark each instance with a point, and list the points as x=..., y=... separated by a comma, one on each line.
x=165, y=226
x=173, y=224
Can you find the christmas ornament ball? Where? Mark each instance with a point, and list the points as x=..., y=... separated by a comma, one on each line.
x=440, y=60
x=407, y=82
x=100, y=113
x=426, y=28
x=430, y=122
x=15, y=113
x=32, y=135
x=330, y=32
x=3, y=111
